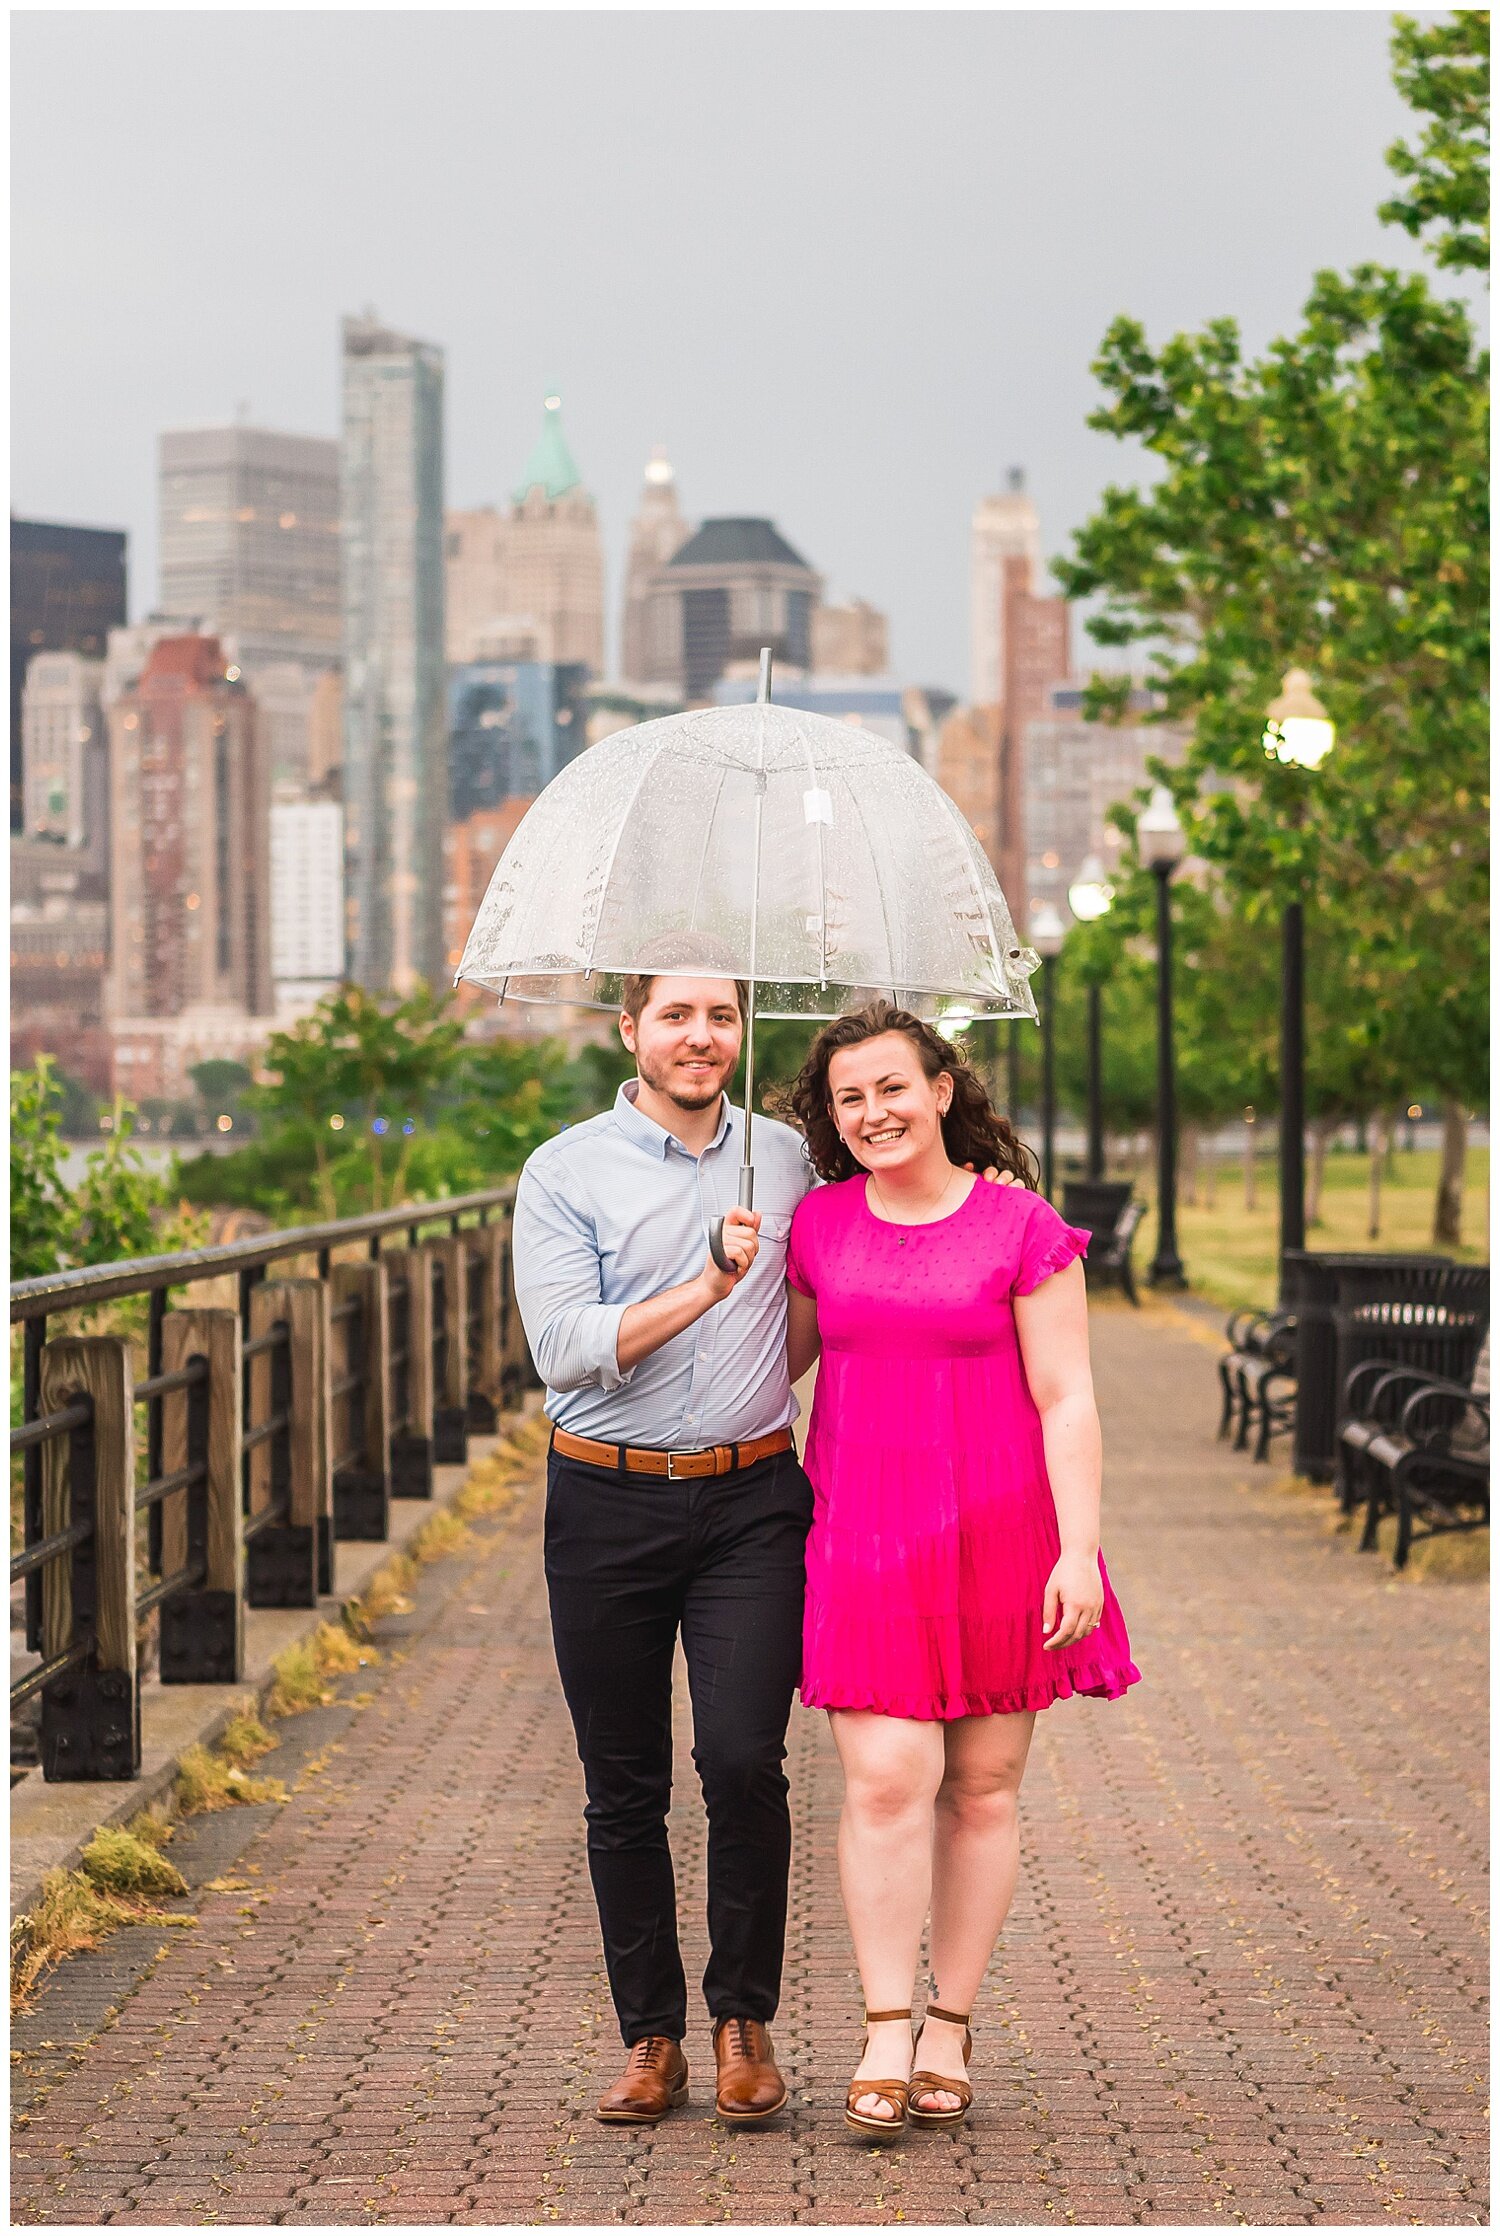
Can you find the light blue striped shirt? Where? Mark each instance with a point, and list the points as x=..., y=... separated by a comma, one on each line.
x=614, y=1211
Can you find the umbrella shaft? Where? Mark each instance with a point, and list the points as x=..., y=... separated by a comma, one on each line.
x=747, y=1188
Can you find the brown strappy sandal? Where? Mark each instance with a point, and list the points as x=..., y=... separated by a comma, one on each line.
x=928, y=2084
x=894, y=2092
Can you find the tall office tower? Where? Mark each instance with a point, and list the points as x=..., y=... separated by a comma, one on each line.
x=395, y=721
x=1075, y=771
x=62, y=740
x=1003, y=527
x=307, y=901
x=67, y=591
x=968, y=769
x=512, y=724
x=474, y=581
x=1035, y=638
x=325, y=733
x=850, y=640
x=551, y=558
x=657, y=533
x=126, y=650
x=472, y=845
x=189, y=862
x=734, y=586
x=926, y=707
x=250, y=540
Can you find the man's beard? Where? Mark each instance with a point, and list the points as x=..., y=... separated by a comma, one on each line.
x=685, y=1097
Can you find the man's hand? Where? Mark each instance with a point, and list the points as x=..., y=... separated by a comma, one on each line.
x=646, y=1326
x=993, y=1172
x=741, y=1241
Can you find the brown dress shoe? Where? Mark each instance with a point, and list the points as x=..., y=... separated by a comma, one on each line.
x=750, y=2085
x=655, y=2078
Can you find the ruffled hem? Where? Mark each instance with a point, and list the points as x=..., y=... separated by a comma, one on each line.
x=1094, y=1682
x=1072, y=1243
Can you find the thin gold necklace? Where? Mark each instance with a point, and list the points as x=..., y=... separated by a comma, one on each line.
x=937, y=1199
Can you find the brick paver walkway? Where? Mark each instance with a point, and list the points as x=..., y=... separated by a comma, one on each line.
x=1243, y=1979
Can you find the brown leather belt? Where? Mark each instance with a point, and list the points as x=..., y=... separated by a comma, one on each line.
x=639, y=1459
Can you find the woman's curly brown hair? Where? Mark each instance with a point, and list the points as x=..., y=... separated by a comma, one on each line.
x=974, y=1133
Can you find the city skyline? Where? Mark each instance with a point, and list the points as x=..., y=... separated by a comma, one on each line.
x=893, y=358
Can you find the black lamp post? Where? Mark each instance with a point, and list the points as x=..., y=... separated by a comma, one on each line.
x=1089, y=897
x=1299, y=734
x=1162, y=848
x=1047, y=933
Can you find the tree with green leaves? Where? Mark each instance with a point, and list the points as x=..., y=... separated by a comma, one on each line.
x=1323, y=506
x=370, y=1101
x=40, y=1216
x=118, y=1208
x=222, y=1085
x=1443, y=70
x=369, y=1068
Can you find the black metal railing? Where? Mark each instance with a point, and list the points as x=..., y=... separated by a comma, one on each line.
x=73, y=1542
x=269, y=1429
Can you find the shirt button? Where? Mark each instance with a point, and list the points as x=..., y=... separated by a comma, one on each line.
x=704, y=1356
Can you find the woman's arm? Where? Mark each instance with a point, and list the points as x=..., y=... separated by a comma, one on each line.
x=803, y=1342
x=1053, y=1328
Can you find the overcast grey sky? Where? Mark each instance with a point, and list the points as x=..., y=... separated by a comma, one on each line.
x=847, y=267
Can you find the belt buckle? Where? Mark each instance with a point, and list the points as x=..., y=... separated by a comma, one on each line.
x=672, y=1474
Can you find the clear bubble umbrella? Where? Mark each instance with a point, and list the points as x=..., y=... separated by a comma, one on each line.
x=809, y=857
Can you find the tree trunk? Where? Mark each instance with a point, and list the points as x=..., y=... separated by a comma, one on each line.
x=1189, y=1154
x=1377, y=1169
x=1448, y=1215
x=1322, y=1128
x=1249, y=1167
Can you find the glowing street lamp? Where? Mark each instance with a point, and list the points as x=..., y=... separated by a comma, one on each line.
x=1299, y=735
x=1089, y=897
x=1159, y=836
x=1047, y=934
x=1298, y=732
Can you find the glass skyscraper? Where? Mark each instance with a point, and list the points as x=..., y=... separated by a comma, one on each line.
x=395, y=715
x=512, y=724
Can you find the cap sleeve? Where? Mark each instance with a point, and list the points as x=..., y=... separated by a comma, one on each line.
x=1048, y=1244
x=799, y=1252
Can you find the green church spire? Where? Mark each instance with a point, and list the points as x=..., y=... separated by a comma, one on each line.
x=550, y=467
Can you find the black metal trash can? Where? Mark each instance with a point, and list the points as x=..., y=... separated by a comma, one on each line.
x=1318, y=1284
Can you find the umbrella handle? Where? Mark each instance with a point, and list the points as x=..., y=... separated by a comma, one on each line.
x=716, y=1249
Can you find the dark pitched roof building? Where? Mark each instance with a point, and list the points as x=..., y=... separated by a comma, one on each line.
x=734, y=586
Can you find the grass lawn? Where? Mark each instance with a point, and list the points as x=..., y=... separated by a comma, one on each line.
x=1230, y=1253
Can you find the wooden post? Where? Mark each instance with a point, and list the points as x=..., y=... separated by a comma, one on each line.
x=362, y=1486
x=487, y=1248
x=284, y=1558
x=91, y=1715
x=518, y=1372
x=411, y=1438
x=450, y=1439
x=203, y=1626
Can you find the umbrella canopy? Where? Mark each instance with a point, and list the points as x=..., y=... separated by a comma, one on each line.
x=812, y=857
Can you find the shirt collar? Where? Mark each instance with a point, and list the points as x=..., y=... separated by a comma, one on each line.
x=648, y=1135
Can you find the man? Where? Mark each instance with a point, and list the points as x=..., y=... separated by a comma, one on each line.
x=675, y=1504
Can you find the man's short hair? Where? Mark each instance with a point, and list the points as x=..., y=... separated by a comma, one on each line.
x=680, y=955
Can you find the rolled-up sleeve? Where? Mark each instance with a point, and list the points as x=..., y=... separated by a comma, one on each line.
x=574, y=1336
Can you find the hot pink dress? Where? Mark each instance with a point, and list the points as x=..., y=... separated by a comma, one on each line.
x=934, y=1530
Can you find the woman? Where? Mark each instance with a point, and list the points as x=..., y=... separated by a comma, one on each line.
x=955, y=1583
